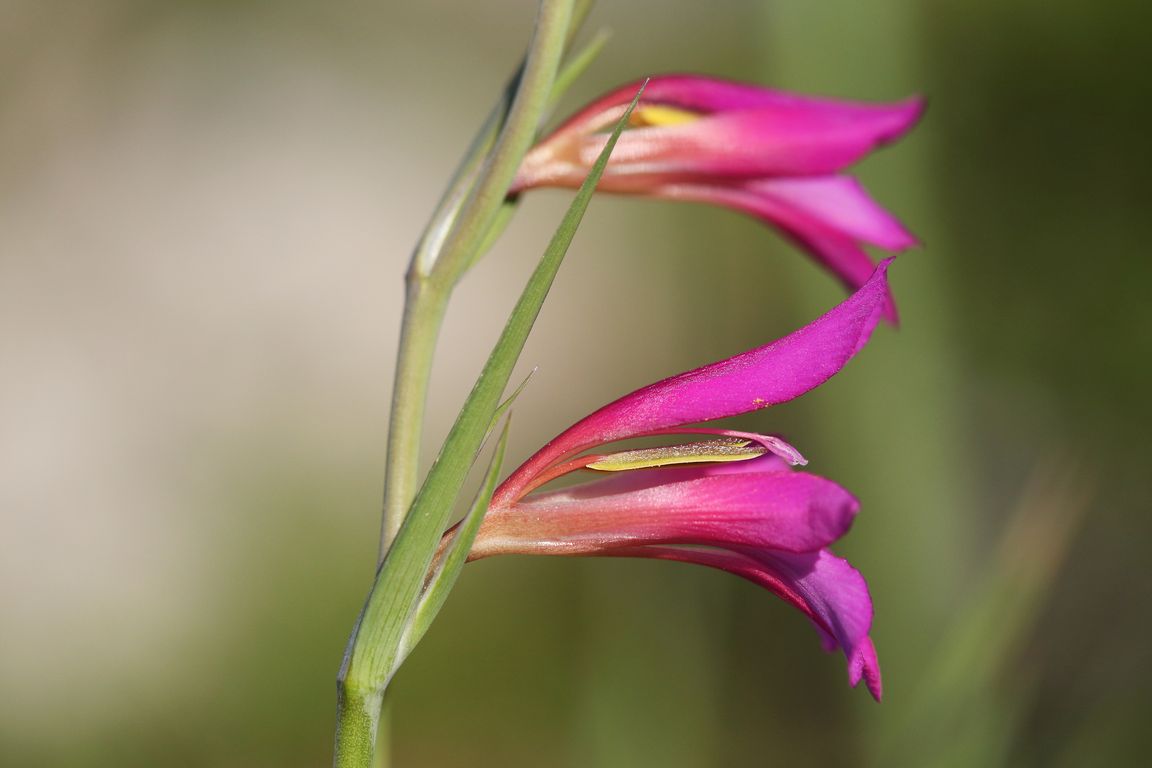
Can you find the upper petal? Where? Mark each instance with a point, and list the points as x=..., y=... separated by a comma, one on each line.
x=756, y=379
x=792, y=139
x=740, y=130
x=700, y=93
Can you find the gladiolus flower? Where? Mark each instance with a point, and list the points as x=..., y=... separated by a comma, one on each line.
x=727, y=500
x=776, y=156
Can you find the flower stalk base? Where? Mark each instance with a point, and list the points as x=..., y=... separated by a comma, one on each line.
x=357, y=721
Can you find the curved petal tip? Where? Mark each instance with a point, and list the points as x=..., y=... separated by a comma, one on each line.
x=863, y=665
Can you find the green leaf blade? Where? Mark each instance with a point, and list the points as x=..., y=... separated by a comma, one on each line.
x=444, y=575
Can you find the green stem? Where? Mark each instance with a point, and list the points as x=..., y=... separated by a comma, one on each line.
x=423, y=316
x=357, y=717
x=532, y=97
x=469, y=210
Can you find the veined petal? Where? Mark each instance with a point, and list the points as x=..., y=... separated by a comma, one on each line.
x=638, y=479
x=823, y=586
x=709, y=95
x=701, y=128
x=705, y=94
x=775, y=373
x=795, y=512
x=840, y=203
x=774, y=141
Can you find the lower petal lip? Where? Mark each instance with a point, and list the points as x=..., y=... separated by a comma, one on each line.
x=787, y=511
x=824, y=587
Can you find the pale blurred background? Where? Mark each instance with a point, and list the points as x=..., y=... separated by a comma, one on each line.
x=205, y=211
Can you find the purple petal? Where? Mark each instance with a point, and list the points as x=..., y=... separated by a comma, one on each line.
x=639, y=479
x=826, y=588
x=842, y=204
x=697, y=93
x=756, y=379
x=795, y=512
x=774, y=141
x=742, y=131
x=863, y=664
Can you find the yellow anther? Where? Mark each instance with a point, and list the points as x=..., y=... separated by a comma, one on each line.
x=722, y=449
x=656, y=115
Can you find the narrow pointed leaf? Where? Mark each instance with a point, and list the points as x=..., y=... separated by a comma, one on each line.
x=444, y=576
x=504, y=406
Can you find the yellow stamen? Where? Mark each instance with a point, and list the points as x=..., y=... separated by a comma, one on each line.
x=723, y=449
x=656, y=115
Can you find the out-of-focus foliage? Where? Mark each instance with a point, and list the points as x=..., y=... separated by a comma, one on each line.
x=205, y=210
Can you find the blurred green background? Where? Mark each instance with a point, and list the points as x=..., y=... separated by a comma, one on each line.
x=205, y=211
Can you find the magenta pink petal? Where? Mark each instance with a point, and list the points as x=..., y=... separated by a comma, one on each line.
x=764, y=142
x=839, y=203
x=864, y=665
x=740, y=132
x=698, y=93
x=639, y=479
x=789, y=511
x=770, y=154
x=826, y=588
x=765, y=376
